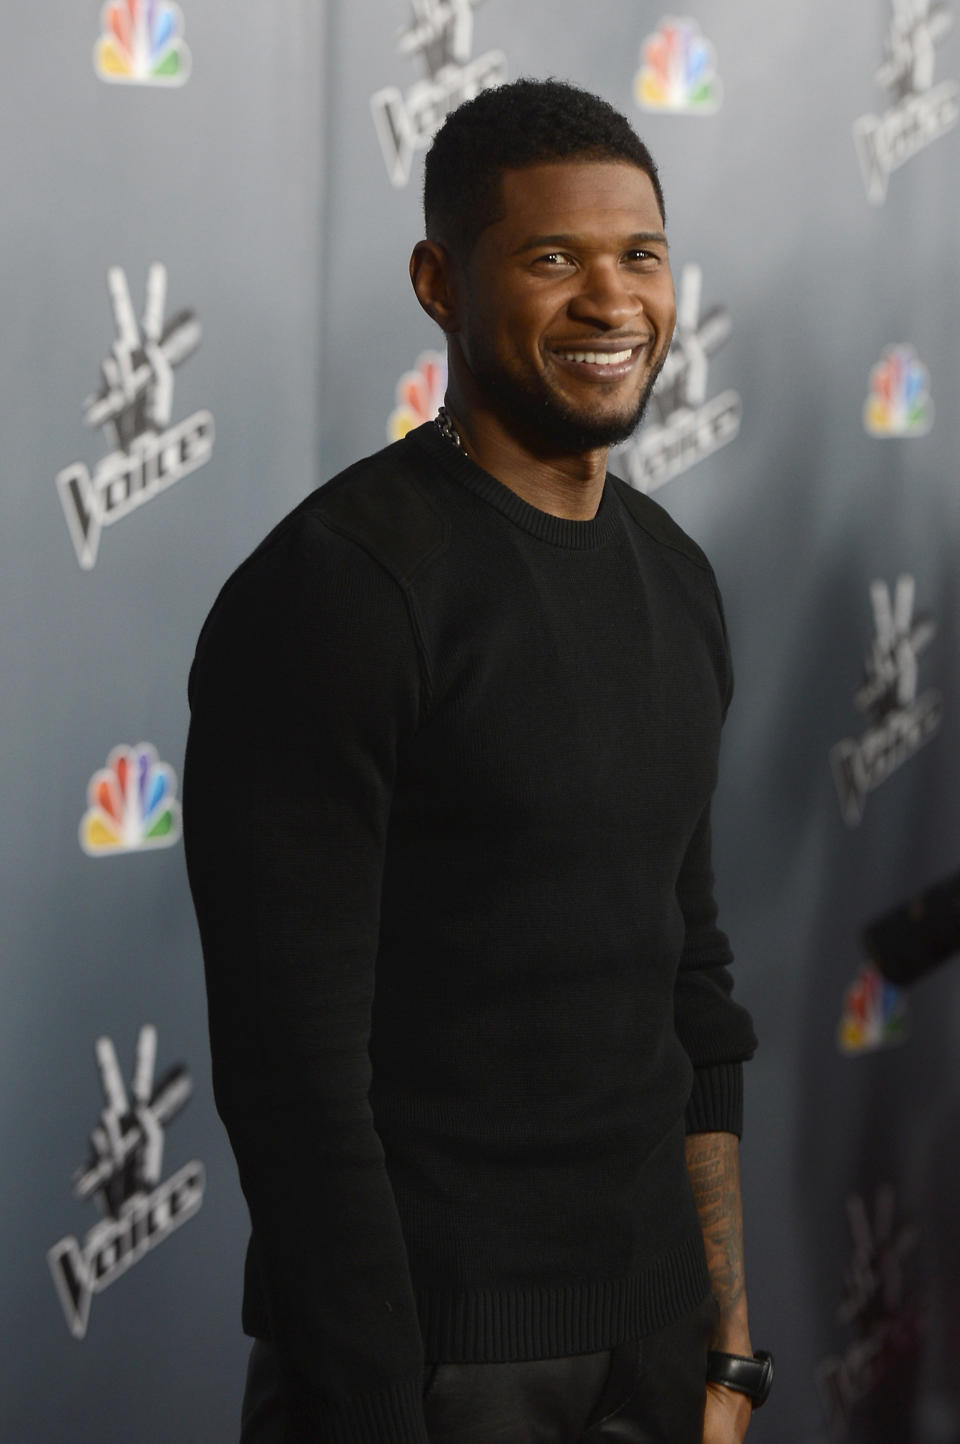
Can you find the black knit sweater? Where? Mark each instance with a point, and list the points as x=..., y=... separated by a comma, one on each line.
x=447, y=825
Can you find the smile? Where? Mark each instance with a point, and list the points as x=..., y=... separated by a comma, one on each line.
x=604, y=364
x=597, y=358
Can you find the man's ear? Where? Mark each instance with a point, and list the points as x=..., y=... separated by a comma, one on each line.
x=431, y=272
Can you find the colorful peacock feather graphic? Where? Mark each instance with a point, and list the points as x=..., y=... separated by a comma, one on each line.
x=899, y=401
x=874, y=1014
x=678, y=73
x=419, y=395
x=142, y=43
x=133, y=804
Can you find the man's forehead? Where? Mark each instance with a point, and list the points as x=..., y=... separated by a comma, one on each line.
x=557, y=196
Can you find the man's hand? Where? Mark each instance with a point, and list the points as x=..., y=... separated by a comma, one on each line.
x=728, y=1414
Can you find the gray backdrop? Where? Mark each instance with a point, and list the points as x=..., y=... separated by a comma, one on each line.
x=260, y=185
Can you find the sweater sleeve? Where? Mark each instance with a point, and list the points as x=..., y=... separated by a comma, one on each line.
x=716, y=1032
x=305, y=685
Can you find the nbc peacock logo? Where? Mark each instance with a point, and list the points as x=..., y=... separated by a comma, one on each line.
x=419, y=395
x=899, y=401
x=874, y=1014
x=133, y=804
x=141, y=44
x=678, y=70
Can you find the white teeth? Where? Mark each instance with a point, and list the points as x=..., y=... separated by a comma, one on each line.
x=598, y=358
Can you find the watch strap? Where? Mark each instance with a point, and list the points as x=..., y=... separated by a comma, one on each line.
x=752, y=1377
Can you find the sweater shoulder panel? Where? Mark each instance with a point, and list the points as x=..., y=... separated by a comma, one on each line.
x=659, y=524
x=378, y=507
x=381, y=504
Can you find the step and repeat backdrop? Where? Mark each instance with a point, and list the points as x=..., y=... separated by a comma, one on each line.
x=208, y=213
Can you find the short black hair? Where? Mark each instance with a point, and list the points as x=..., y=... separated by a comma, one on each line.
x=527, y=122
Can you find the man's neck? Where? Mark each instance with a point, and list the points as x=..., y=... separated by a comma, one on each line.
x=565, y=484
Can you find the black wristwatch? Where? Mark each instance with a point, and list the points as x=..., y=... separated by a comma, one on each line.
x=753, y=1377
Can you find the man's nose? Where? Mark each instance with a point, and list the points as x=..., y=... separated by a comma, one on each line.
x=607, y=296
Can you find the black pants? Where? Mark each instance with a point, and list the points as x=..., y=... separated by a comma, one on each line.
x=647, y=1392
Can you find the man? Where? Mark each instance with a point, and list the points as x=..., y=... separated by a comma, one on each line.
x=454, y=737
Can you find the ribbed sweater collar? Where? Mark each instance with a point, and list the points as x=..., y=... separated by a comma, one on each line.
x=559, y=531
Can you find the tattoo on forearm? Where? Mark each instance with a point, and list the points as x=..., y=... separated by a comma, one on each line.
x=714, y=1166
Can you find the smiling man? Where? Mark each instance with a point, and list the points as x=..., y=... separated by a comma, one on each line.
x=454, y=738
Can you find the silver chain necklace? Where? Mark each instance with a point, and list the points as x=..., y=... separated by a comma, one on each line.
x=448, y=430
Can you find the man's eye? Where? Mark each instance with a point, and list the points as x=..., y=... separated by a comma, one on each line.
x=555, y=258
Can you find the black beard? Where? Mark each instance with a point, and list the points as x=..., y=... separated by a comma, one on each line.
x=556, y=425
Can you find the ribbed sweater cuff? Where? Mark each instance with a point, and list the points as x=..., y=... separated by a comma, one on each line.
x=716, y=1103
x=388, y=1416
